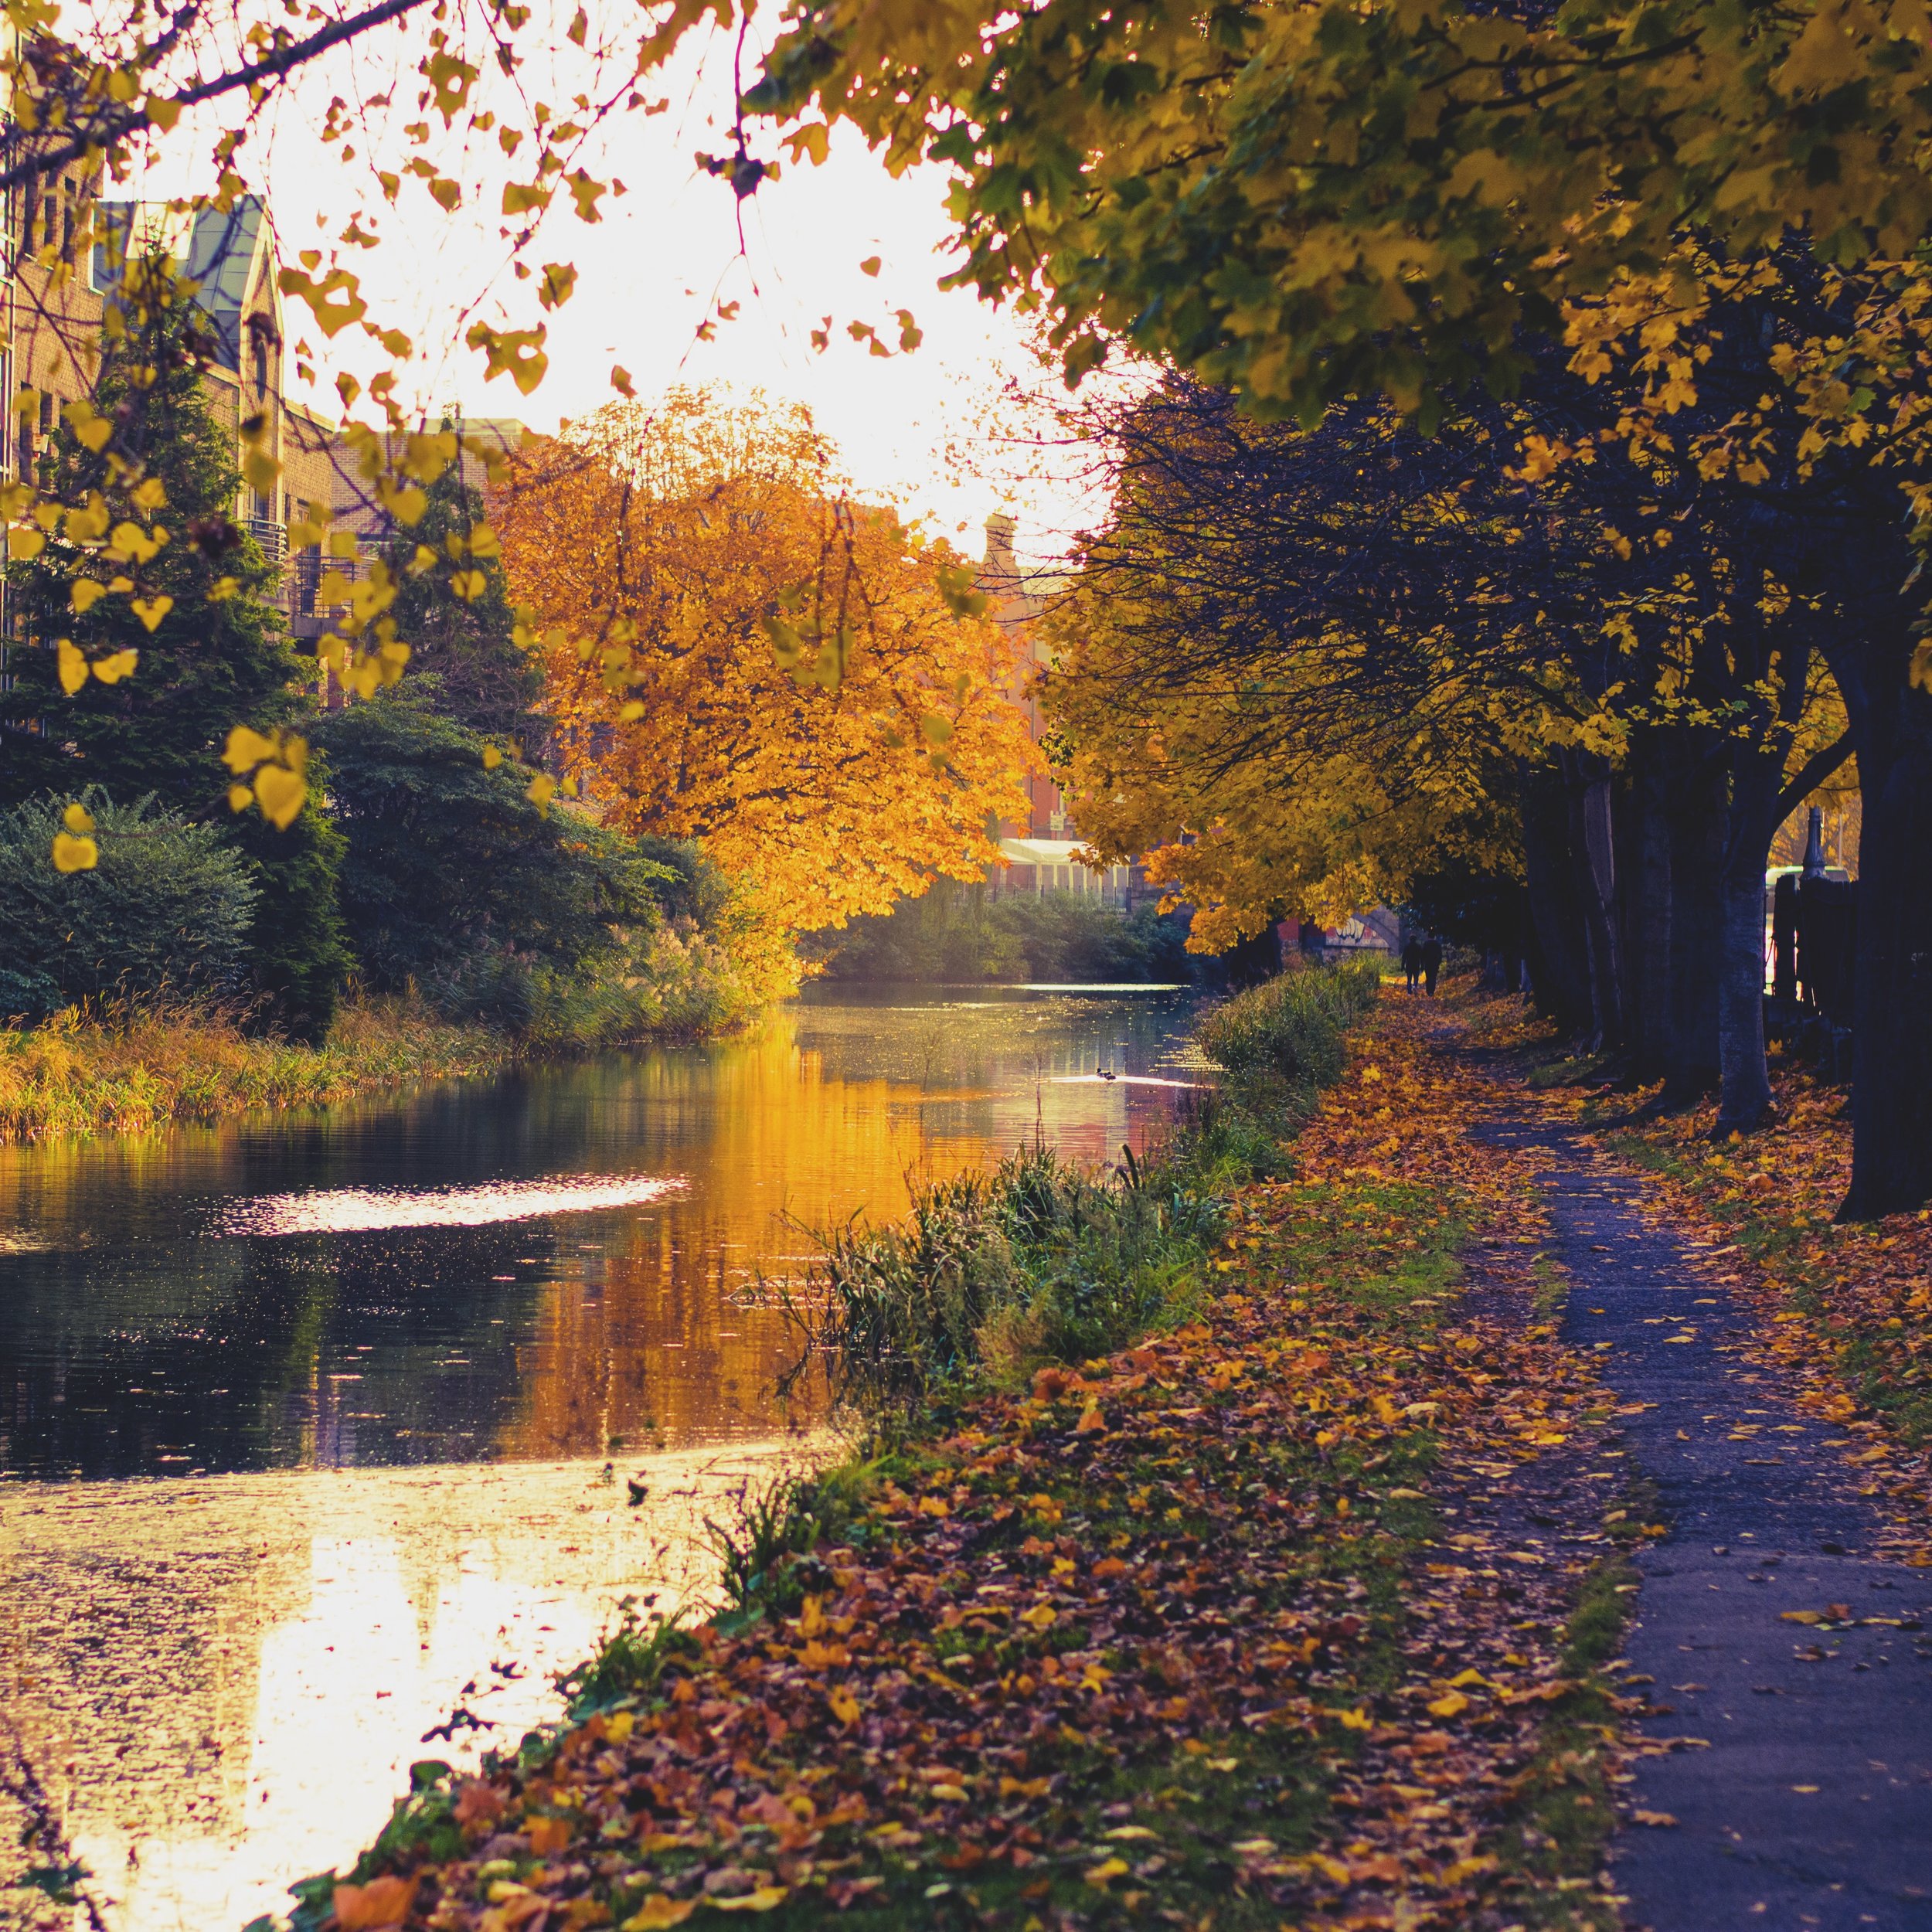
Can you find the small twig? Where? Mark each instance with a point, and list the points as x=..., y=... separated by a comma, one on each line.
x=20, y=1781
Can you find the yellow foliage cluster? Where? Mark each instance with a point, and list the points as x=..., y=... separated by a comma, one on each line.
x=736, y=653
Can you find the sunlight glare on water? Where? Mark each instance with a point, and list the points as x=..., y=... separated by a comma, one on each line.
x=346, y=1210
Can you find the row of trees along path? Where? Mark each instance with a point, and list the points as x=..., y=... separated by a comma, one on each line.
x=1773, y=1633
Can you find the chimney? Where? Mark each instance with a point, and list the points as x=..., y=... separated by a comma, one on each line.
x=999, y=546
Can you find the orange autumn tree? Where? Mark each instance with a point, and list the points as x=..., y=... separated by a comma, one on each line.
x=737, y=653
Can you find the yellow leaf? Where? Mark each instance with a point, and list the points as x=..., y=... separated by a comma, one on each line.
x=111, y=670
x=151, y=611
x=1450, y=1705
x=25, y=543
x=1040, y=1616
x=150, y=495
x=74, y=855
x=491, y=757
x=78, y=820
x=845, y=1706
x=83, y=594
x=132, y=540
x=161, y=114
x=621, y=380
x=811, y=1619
x=1108, y=1869
x=280, y=793
x=73, y=665
x=542, y=789
x=240, y=797
x=246, y=749
x=766, y=1899
x=658, y=1912
x=1356, y=1720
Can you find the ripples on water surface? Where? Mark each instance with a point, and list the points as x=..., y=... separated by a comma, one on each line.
x=384, y=1351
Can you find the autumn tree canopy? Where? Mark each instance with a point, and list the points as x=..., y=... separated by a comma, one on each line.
x=670, y=561
x=1302, y=671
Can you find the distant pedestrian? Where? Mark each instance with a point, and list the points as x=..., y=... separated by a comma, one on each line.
x=1412, y=961
x=1431, y=966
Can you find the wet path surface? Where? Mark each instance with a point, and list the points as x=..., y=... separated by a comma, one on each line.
x=1809, y=1803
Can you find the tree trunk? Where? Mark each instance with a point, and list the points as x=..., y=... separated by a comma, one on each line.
x=1651, y=911
x=1697, y=863
x=1744, y=1083
x=1588, y=780
x=1892, y=1022
x=1558, y=970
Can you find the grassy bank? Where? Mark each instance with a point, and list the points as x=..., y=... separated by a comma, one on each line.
x=126, y=1072
x=127, y=1068
x=1173, y=1585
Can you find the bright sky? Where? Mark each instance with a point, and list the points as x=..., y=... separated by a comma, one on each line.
x=661, y=258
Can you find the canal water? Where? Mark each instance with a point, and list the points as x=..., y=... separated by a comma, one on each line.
x=318, y=1430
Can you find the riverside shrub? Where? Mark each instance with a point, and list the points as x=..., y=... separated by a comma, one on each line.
x=1281, y=1041
x=961, y=934
x=170, y=905
x=1042, y=1259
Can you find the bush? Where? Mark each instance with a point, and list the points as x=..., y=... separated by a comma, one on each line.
x=961, y=934
x=169, y=905
x=448, y=860
x=1039, y=1257
x=298, y=951
x=1281, y=1041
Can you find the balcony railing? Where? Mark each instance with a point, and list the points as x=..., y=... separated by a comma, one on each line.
x=273, y=539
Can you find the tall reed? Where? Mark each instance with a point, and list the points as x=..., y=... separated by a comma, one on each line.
x=126, y=1068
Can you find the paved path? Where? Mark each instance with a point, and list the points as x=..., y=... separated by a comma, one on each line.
x=1812, y=1807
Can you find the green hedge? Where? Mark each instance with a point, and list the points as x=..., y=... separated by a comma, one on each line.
x=168, y=907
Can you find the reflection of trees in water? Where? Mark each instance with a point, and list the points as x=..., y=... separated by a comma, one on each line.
x=252, y=1370
x=665, y=1350
x=133, y=1339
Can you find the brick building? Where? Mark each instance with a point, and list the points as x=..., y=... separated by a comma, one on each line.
x=54, y=312
x=1039, y=854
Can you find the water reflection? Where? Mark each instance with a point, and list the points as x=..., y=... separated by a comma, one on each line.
x=344, y=1289
x=350, y=1210
x=386, y=1419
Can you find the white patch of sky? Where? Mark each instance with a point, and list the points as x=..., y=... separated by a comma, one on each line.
x=923, y=430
